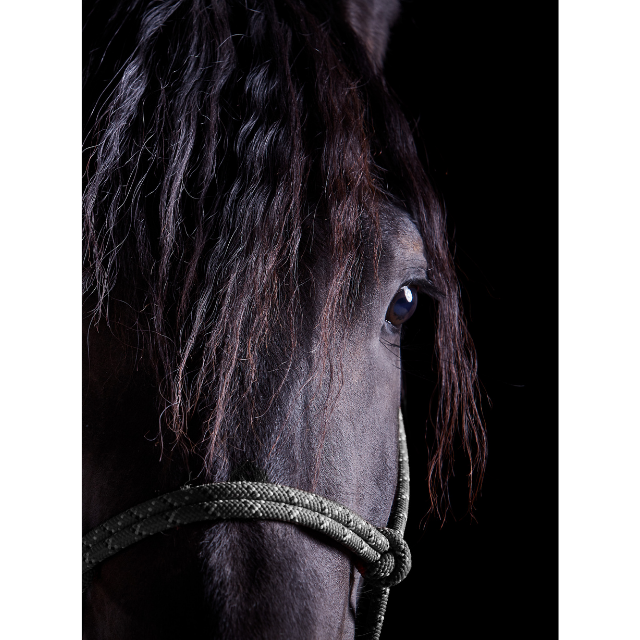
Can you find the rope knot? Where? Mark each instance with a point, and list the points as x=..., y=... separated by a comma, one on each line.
x=394, y=565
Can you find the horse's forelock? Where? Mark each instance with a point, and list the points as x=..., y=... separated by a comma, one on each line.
x=235, y=146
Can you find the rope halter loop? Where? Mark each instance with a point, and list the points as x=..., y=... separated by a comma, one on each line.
x=393, y=565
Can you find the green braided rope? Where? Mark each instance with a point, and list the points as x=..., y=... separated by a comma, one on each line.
x=382, y=551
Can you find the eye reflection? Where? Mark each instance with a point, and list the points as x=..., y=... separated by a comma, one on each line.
x=402, y=306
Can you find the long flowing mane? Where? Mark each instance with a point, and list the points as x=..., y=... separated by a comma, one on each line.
x=224, y=149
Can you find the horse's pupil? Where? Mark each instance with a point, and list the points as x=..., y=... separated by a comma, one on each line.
x=404, y=302
x=403, y=305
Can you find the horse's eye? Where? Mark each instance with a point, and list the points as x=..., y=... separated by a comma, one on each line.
x=402, y=306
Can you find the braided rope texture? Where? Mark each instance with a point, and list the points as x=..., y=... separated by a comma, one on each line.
x=383, y=551
x=374, y=596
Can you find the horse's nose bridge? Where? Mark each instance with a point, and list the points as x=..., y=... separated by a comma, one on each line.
x=359, y=467
x=285, y=579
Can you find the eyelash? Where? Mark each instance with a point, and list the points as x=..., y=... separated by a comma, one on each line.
x=423, y=285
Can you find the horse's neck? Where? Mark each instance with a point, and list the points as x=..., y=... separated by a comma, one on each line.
x=122, y=463
x=153, y=589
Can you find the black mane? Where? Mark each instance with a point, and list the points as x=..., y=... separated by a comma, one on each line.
x=223, y=151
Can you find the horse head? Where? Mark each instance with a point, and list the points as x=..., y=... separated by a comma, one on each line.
x=258, y=228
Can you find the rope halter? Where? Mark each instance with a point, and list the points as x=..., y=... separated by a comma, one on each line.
x=382, y=555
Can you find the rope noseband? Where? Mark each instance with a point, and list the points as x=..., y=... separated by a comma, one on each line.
x=383, y=553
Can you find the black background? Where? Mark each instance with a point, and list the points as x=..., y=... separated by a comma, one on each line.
x=478, y=83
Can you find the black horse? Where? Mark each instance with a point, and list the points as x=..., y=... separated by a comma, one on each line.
x=257, y=229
